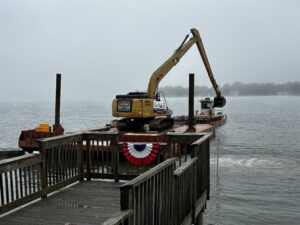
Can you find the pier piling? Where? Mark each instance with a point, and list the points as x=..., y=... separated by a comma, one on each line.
x=191, y=127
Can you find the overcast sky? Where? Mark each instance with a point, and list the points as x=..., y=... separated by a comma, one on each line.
x=104, y=48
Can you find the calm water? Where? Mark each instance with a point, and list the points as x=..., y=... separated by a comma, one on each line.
x=255, y=157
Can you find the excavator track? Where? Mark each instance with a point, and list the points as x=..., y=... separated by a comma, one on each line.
x=136, y=125
x=128, y=124
x=161, y=123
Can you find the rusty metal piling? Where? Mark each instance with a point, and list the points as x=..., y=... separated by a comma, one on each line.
x=57, y=99
x=191, y=127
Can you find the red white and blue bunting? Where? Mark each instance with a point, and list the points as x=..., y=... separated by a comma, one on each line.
x=140, y=153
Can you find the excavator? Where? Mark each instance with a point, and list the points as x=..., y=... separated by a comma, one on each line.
x=140, y=108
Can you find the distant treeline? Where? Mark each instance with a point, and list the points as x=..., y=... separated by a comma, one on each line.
x=238, y=89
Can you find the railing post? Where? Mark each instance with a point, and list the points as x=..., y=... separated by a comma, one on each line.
x=208, y=168
x=193, y=183
x=193, y=151
x=88, y=157
x=199, y=219
x=127, y=202
x=115, y=156
x=175, y=200
x=44, y=180
x=80, y=160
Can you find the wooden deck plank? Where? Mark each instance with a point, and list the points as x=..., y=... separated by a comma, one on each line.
x=85, y=203
x=199, y=128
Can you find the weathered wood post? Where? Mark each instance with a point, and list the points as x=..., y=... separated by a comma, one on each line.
x=115, y=156
x=175, y=200
x=116, y=162
x=199, y=219
x=44, y=180
x=80, y=159
x=127, y=201
x=88, y=156
x=208, y=167
x=193, y=190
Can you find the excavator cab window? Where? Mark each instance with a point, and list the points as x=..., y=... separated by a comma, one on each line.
x=157, y=97
x=159, y=105
x=124, y=105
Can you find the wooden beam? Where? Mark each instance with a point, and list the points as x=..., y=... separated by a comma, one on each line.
x=204, y=137
x=20, y=162
x=101, y=135
x=60, y=140
x=200, y=204
x=22, y=201
x=148, y=174
x=63, y=184
x=118, y=218
x=183, y=138
x=185, y=166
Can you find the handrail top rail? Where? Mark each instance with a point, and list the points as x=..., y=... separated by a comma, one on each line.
x=56, y=141
x=20, y=162
x=180, y=170
x=119, y=217
x=149, y=173
x=98, y=129
x=61, y=137
x=204, y=137
x=74, y=134
x=18, y=158
x=100, y=132
x=110, y=135
x=184, y=138
x=171, y=133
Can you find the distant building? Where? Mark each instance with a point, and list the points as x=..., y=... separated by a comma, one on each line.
x=234, y=93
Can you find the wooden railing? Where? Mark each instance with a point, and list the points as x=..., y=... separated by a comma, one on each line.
x=63, y=161
x=101, y=155
x=201, y=150
x=179, y=145
x=184, y=191
x=20, y=181
x=171, y=192
x=166, y=195
x=150, y=195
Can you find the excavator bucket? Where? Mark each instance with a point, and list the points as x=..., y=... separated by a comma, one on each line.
x=219, y=102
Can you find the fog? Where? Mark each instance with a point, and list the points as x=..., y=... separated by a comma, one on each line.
x=105, y=48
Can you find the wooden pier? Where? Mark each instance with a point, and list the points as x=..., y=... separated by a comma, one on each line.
x=82, y=178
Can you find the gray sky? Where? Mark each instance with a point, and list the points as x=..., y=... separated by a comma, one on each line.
x=104, y=48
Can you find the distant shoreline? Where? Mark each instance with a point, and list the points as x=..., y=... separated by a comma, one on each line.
x=238, y=89
x=203, y=96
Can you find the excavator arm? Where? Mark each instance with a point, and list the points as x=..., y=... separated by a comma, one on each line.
x=162, y=71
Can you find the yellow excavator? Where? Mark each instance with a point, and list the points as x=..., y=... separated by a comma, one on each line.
x=140, y=108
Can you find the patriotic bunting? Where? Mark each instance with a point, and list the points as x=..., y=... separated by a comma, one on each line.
x=140, y=153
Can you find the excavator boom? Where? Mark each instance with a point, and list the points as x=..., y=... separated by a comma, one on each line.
x=162, y=71
x=202, y=52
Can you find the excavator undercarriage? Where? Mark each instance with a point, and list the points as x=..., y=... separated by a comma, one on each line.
x=137, y=124
x=140, y=100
